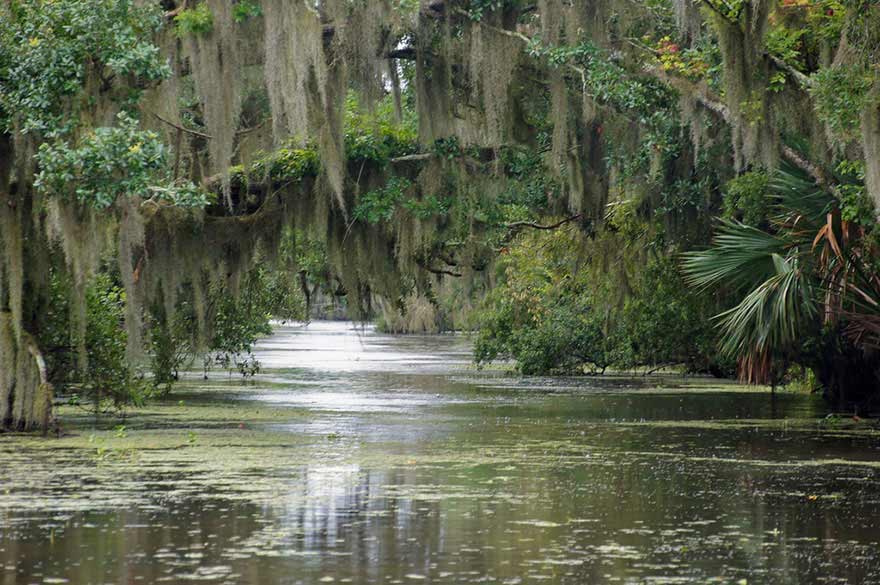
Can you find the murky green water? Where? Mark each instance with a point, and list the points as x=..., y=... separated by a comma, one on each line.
x=358, y=458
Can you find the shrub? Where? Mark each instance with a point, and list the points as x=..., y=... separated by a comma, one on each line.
x=555, y=313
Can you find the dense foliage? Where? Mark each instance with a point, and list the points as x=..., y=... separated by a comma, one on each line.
x=108, y=379
x=190, y=169
x=805, y=284
x=236, y=323
x=557, y=312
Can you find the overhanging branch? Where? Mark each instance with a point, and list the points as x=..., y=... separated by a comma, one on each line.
x=181, y=128
x=440, y=271
x=703, y=98
x=536, y=226
x=405, y=53
x=202, y=134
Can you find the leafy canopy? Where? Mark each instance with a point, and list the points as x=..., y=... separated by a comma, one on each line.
x=51, y=53
x=108, y=163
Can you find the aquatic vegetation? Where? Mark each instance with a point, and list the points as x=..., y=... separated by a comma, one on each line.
x=494, y=480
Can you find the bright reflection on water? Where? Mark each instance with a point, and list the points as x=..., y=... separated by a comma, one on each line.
x=362, y=458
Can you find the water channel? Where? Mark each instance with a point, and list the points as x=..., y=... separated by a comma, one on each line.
x=357, y=457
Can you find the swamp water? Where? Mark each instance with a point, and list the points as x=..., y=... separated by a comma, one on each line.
x=362, y=458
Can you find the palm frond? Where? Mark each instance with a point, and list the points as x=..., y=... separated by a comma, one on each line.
x=798, y=196
x=811, y=267
x=741, y=256
x=863, y=330
x=770, y=318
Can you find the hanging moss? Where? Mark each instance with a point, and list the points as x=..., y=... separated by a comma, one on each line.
x=12, y=261
x=84, y=234
x=565, y=80
x=305, y=92
x=294, y=60
x=433, y=79
x=746, y=74
x=215, y=65
x=493, y=60
x=871, y=143
x=688, y=19
x=130, y=244
x=417, y=314
x=365, y=46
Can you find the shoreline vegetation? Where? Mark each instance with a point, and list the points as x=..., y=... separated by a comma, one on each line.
x=585, y=187
x=223, y=413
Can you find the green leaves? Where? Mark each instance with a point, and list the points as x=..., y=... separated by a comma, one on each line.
x=427, y=207
x=530, y=186
x=771, y=316
x=245, y=9
x=779, y=287
x=377, y=137
x=552, y=312
x=740, y=257
x=785, y=44
x=287, y=164
x=197, y=21
x=108, y=376
x=379, y=204
x=448, y=148
x=840, y=94
x=477, y=9
x=746, y=196
x=108, y=163
x=102, y=165
x=50, y=50
x=608, y=82
x=773, y=270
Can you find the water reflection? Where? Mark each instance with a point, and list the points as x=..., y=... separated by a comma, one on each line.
x=392, y=462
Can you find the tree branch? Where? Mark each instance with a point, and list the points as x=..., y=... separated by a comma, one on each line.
x=718, y=13
x=253, y=128
x=522, y=224
x=701, y=96
x=208, y=136
x=406, y=53
x=422, y=264
x=803, y=80
x=170, y=14
x=181, y=128
x=413, y=157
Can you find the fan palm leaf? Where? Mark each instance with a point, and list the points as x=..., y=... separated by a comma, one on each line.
x=770, y=317
x=798, y=198
x=809, y=267
x=740, y=257
x=774, y=271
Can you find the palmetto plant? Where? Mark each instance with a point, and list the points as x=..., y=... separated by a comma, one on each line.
x=804, y=270
x=847, y=261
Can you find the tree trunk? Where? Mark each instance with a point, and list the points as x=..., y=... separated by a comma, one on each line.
x=25, y=391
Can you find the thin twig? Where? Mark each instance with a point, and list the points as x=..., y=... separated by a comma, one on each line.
x=439, y=271
x=253, y=128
